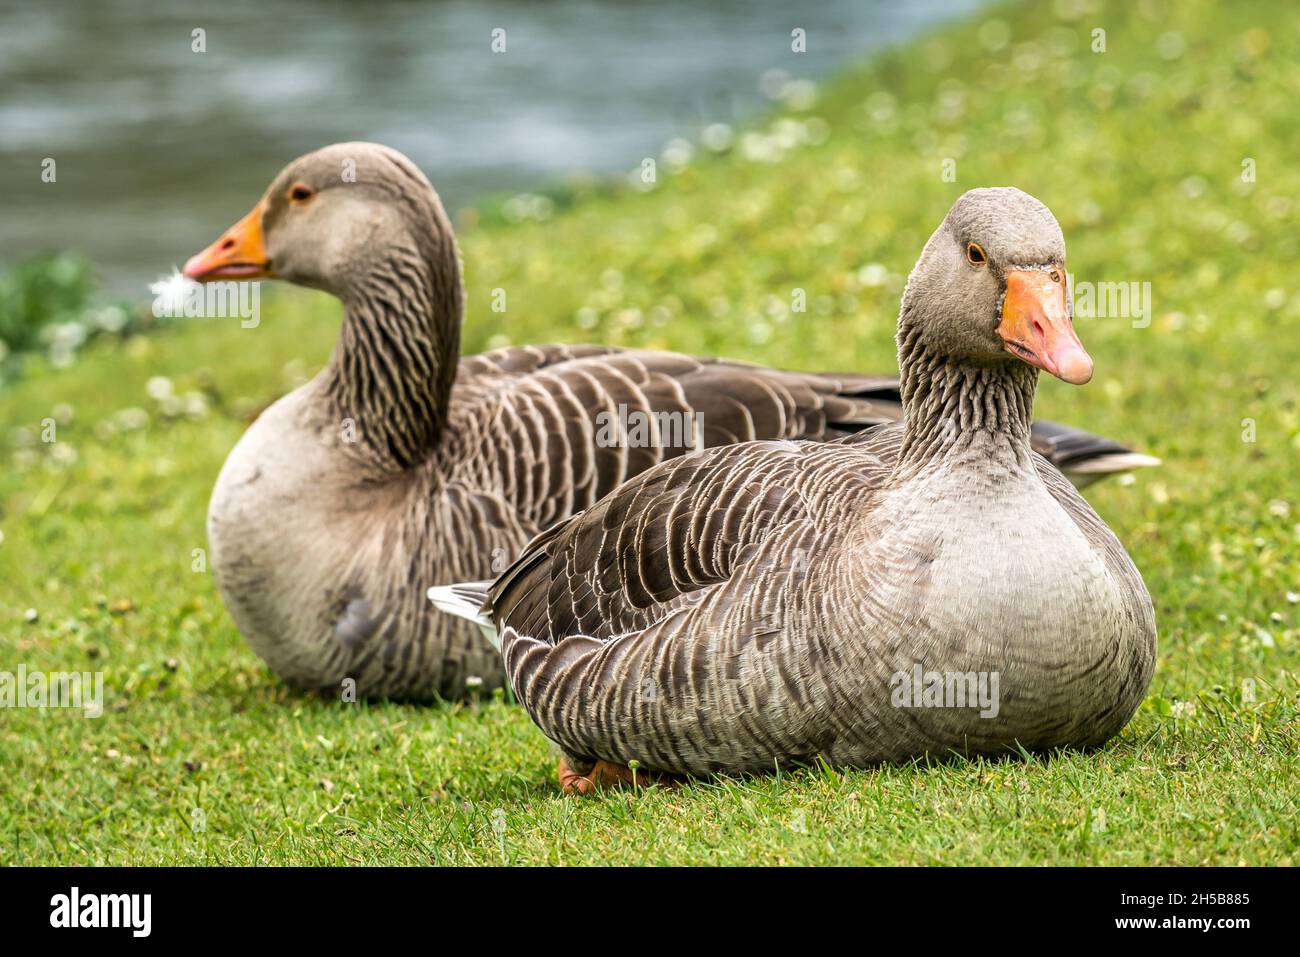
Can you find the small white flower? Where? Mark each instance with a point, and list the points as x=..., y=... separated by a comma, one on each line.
x=873, y=274
x=716, y=137
x=800, y=94
x=159, y=388
x=63, y=453
x=195, y=404
x=108, y=319
x=1170, y=45
x=128, y=420
x=677, y=153
x=772, y=83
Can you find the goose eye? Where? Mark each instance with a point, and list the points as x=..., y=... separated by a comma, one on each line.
x=975, y=254
x=300, y=193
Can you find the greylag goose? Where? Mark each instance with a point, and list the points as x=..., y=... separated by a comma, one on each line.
x=928, y=587
x=398, y=465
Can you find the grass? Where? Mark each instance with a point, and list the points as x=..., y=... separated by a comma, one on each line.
x=202, y=756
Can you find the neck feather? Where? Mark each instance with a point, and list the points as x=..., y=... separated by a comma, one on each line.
x=393, y=368
x=958, y=409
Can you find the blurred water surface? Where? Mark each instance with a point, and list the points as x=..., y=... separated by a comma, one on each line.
x=159, y=147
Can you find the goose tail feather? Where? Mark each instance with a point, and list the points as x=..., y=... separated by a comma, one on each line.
x=467, y=600
x=1085, y=471
x=1082, y=456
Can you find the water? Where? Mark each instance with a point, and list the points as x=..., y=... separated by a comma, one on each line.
x=158, y=148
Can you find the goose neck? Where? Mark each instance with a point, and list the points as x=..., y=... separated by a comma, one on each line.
x=956, y=410
x=389, y=380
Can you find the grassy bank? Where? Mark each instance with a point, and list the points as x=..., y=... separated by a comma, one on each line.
x=203, y=757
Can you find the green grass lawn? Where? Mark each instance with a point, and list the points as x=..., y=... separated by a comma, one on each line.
x=202, y=756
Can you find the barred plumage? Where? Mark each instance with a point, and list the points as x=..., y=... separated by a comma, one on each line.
x=756, y=604
x=399, y=466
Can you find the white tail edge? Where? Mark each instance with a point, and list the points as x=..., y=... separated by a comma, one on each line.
x=465, y=600
x=1115, y=462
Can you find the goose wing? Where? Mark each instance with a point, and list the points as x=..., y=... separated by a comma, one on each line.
x=668, y=587
x=666, y=539
x=555, y=428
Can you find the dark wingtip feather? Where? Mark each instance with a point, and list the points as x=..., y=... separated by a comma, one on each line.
x=1082, y=456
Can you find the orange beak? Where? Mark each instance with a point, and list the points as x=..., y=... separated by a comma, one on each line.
x=238, y=254
x=1035, y=326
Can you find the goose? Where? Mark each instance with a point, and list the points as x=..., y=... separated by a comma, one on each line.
x=925, y=588
x=401, y=463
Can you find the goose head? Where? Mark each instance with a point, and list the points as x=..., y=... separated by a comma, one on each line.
x=328, y=219
x=990, y=287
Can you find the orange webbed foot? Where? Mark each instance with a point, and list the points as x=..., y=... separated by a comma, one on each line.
x=608, y=774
